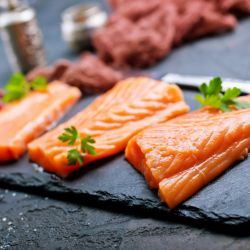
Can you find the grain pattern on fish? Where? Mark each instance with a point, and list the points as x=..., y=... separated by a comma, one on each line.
x=182, y=155
x=112, y=119
x=23, y=120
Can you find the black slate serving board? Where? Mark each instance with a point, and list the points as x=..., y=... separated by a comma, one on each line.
x=113, y=180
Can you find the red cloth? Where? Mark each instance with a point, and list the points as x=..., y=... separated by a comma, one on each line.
x=89, y=73
x=141, y=32
x=52, y=73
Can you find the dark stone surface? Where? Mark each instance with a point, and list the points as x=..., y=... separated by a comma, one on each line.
x=32, y=222
x=64, y=224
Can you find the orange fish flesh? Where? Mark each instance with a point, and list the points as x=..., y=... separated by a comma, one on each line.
x=23, y=120
x=182, y=155
x=112, y=119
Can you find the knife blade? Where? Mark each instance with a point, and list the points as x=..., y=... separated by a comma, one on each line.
x=196, y=81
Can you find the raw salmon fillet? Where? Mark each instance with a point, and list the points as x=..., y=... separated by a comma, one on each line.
x=112, y=119
x=182, y=155
x=23, y=120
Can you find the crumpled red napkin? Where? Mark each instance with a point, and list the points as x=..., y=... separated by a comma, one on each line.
x=141, y=32
x=89, y=73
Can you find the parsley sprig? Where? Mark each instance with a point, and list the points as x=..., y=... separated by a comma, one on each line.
x=18, y=87
x=214, y=98
x=74, y=137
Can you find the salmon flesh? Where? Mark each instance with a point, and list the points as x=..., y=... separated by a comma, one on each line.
x=112, y=119
x=23, y=120
x=182, y=155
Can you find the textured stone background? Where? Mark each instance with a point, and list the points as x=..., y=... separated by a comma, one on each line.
x=35, y=222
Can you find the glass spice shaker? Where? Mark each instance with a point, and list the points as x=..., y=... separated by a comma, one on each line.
x=21, y=36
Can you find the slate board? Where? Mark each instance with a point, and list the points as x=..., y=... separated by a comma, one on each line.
x=113, y=180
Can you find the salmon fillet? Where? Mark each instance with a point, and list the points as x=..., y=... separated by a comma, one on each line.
x=23, y=120
x=112, y=119
x=182, y=155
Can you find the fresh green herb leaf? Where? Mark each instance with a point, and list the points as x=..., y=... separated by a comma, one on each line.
x=16, y=82
x=203, y=88
x=200, y=98
x=242, y=104
x=210, y=100
x=238, y=104
x=73, y=156
x=18, y=87
x=39, y=83
x=215, y=99
x=71, y=137
x=86, y=147
x=231, y=94
x=74, y=137
x=14, y=95
x=214, y=88
x=224, y=107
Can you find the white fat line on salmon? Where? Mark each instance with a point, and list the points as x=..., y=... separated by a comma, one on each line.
x=157, y=162
x=232, y=122
x=191, y=148
x=198, y=168
x=202, y=133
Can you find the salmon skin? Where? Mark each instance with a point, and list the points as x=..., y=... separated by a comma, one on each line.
x=23, y=120
x=182, y=155
x=112, y=119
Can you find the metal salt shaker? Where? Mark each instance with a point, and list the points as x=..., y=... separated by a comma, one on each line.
x=79, y=22
x=21, y=36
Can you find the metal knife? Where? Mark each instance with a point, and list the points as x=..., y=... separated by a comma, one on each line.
x=196, y=81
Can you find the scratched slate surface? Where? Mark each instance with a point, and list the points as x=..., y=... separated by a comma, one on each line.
x=225, y=201
x=29, y=221
x=113, y=181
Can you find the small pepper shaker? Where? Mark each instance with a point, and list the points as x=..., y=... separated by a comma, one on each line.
x=79, y=23
x=21, y=36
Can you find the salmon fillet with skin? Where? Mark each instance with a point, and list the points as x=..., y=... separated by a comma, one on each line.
x=112, y=119
x=23, y=120
x=182, y=155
